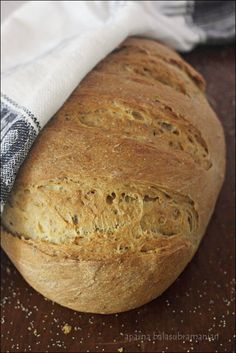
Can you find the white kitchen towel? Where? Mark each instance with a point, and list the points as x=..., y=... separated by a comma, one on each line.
x=49, y=46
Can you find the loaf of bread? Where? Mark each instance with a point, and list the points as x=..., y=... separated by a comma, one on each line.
x=114, y=197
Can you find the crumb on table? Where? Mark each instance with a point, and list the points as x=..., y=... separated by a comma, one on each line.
x=66, y=329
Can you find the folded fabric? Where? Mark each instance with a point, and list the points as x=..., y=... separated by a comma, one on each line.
x=49, y=46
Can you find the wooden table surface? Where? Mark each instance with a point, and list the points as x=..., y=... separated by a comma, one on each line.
x=200, y=303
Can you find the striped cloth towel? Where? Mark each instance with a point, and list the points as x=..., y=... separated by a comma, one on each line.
x=49, y=46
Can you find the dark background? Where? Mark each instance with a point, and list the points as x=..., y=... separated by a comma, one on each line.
x=201, y=301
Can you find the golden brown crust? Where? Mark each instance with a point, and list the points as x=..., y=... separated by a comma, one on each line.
x=140, y=60
x=136, y=162
x=103, y=287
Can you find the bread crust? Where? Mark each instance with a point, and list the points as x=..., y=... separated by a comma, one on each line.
x=139, y=128
x=102, y=287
